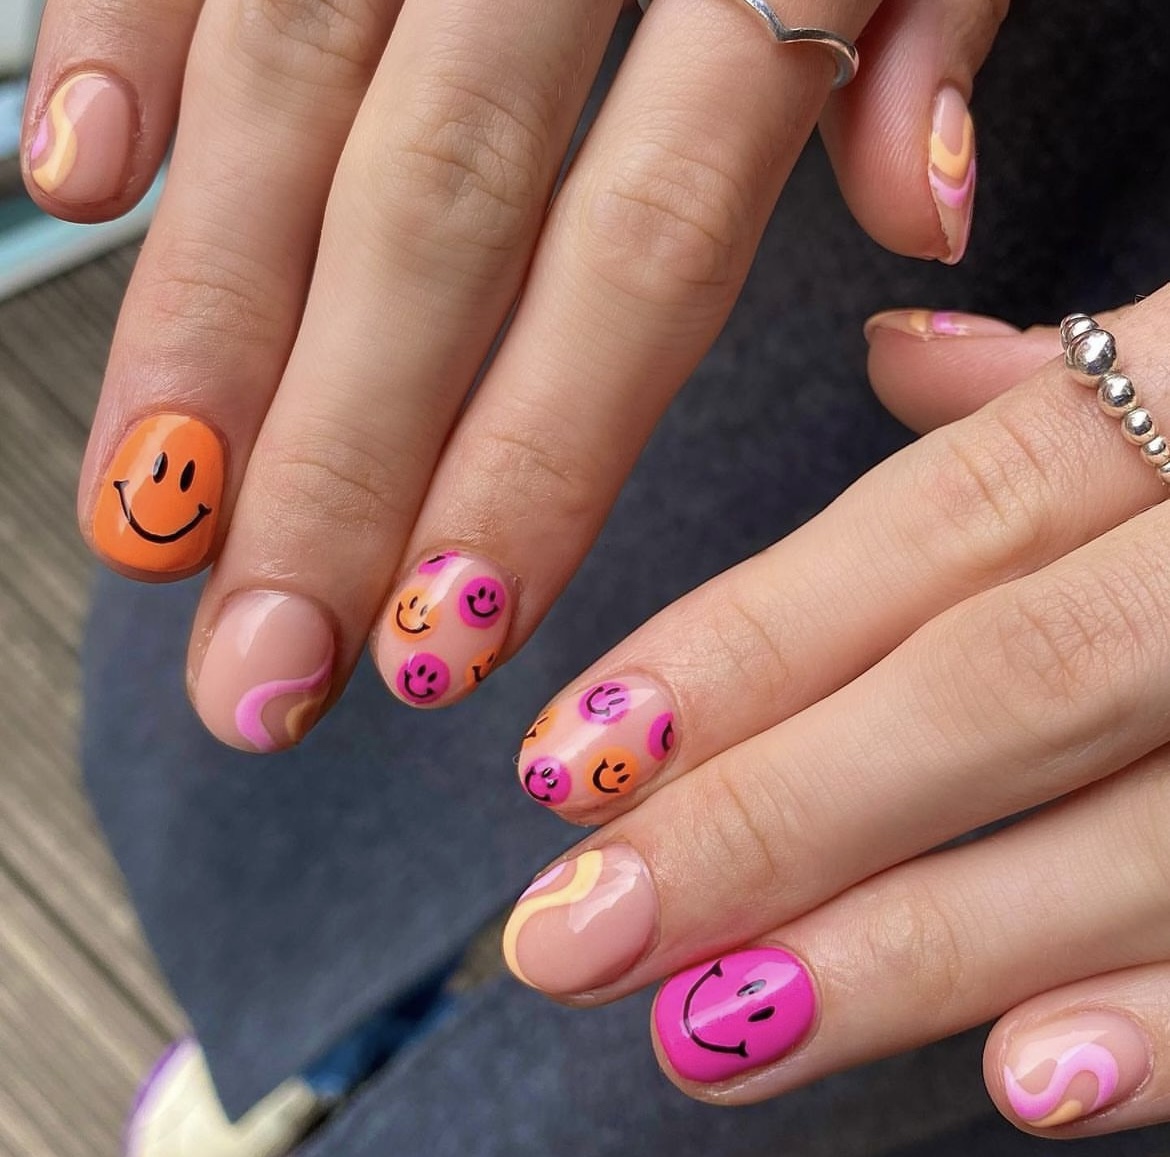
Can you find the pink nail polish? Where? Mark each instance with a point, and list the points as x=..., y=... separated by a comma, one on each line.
x=731, y=1015
x=81, y=147
x=929, y=324
x=267, y=671
x=583, y=923
x=598, y=743
x=953, y=169
x=1073, y=1067
x=444, y=629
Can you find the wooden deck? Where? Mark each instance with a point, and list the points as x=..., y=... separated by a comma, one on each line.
x=83, y=1012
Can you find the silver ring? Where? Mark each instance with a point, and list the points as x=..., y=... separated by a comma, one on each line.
x=844, y=51
x=1090, y=352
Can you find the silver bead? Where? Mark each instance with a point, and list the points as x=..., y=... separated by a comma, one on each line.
x=1116, y=395
x=1138, y=426
x=1164, y=474
x=1157, y=451
x=1073, y=326
x=1091, y=355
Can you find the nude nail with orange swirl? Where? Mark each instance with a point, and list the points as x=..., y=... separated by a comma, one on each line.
x=953, y=169
x=583, y=923
x=81, y=147
x=596, y=744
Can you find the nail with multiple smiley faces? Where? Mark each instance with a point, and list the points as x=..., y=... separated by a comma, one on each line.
x=598, y=743
x=583, y=923
x=159, y=500
x=444, y=628
x=740, y=1012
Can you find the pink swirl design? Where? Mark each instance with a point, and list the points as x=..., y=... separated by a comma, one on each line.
x=250, y=710
x=1084, y=1058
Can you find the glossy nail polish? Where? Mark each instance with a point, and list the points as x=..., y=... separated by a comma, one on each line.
x=159, y=501
x=930, y=324
x=444, y=628
x=1073, y=1067
x=267, y=671
x=583, y=923
x=953, y=170
x=598, y=743
x=740, y=1012
x=81, y=147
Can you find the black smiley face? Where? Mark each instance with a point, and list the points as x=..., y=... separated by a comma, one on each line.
x=548, y=781
x=483, y=603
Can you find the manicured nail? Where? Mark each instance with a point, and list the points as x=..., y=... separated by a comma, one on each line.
x=267, y=671
x=929, y=324
x=444, y=629
x=159, y=501
x=81, y=147
x=952, y=169
x=583, y=923
x=740, y=1012
x=591, y=746
x=1074, y=1067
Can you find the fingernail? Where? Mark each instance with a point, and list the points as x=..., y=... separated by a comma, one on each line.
x=929, y=324
x=81, y=147
x=740, y=1012
x=159, y=500
x=266, y=672
x=591, y=746
x=583, y=923
x=444, y=628
x=952, y=169
x=1073, y=1067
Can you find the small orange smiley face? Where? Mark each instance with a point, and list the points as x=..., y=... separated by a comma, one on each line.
x=614, y=771
x=159, y=501
x=413, y=616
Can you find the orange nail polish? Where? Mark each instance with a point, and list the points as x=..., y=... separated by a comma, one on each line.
x=159, y=501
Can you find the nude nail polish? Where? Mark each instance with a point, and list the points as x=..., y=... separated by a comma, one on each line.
x=267, y=671
x=953, y=169
x=583, y=923
x=929, y=324
x=81, y=147
x=1073, y=1067
x=598, y=743
x=159, y=500
x=740, y=1012
x=444, y=628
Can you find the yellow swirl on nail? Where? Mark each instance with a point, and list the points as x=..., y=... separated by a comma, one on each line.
x=586, y=873
x=51, y=169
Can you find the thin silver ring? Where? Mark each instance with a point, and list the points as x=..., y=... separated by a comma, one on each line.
x=845, y=53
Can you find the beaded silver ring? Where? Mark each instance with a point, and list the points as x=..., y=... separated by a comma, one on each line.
x=1090, y=352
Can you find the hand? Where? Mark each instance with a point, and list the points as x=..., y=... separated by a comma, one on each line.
x=977, y=628
x=359, y=193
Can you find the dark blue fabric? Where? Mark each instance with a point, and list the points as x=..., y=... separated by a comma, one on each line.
x=290, y=897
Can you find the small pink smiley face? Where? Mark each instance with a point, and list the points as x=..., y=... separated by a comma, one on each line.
x=482, y=602
x=606, y=703
x=436, y=562
x=660, y=741
x=423, y=678
x=547, y=780
x=734, y=1014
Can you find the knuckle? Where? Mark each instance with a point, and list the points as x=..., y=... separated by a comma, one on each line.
x=312, y=39
x=666, y=223
x=466, y=171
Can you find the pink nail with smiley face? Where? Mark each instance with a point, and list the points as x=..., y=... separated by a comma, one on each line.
x=734, y=1014
x=450, y=614
x=605, y=739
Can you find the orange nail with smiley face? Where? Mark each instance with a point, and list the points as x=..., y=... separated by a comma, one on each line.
x=159, y=501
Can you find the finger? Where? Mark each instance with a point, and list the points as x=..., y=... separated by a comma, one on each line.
x=965, y=509
x=930, y=368
x=901, y=139
x=933, y=947
x=212, y=308
x=102, y=100
x=1086, y=1059
x=1010, y=699
x=437, y=204
x=641, y=259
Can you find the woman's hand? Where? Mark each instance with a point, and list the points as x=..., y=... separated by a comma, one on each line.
x=978, y=627
x=359, y=194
